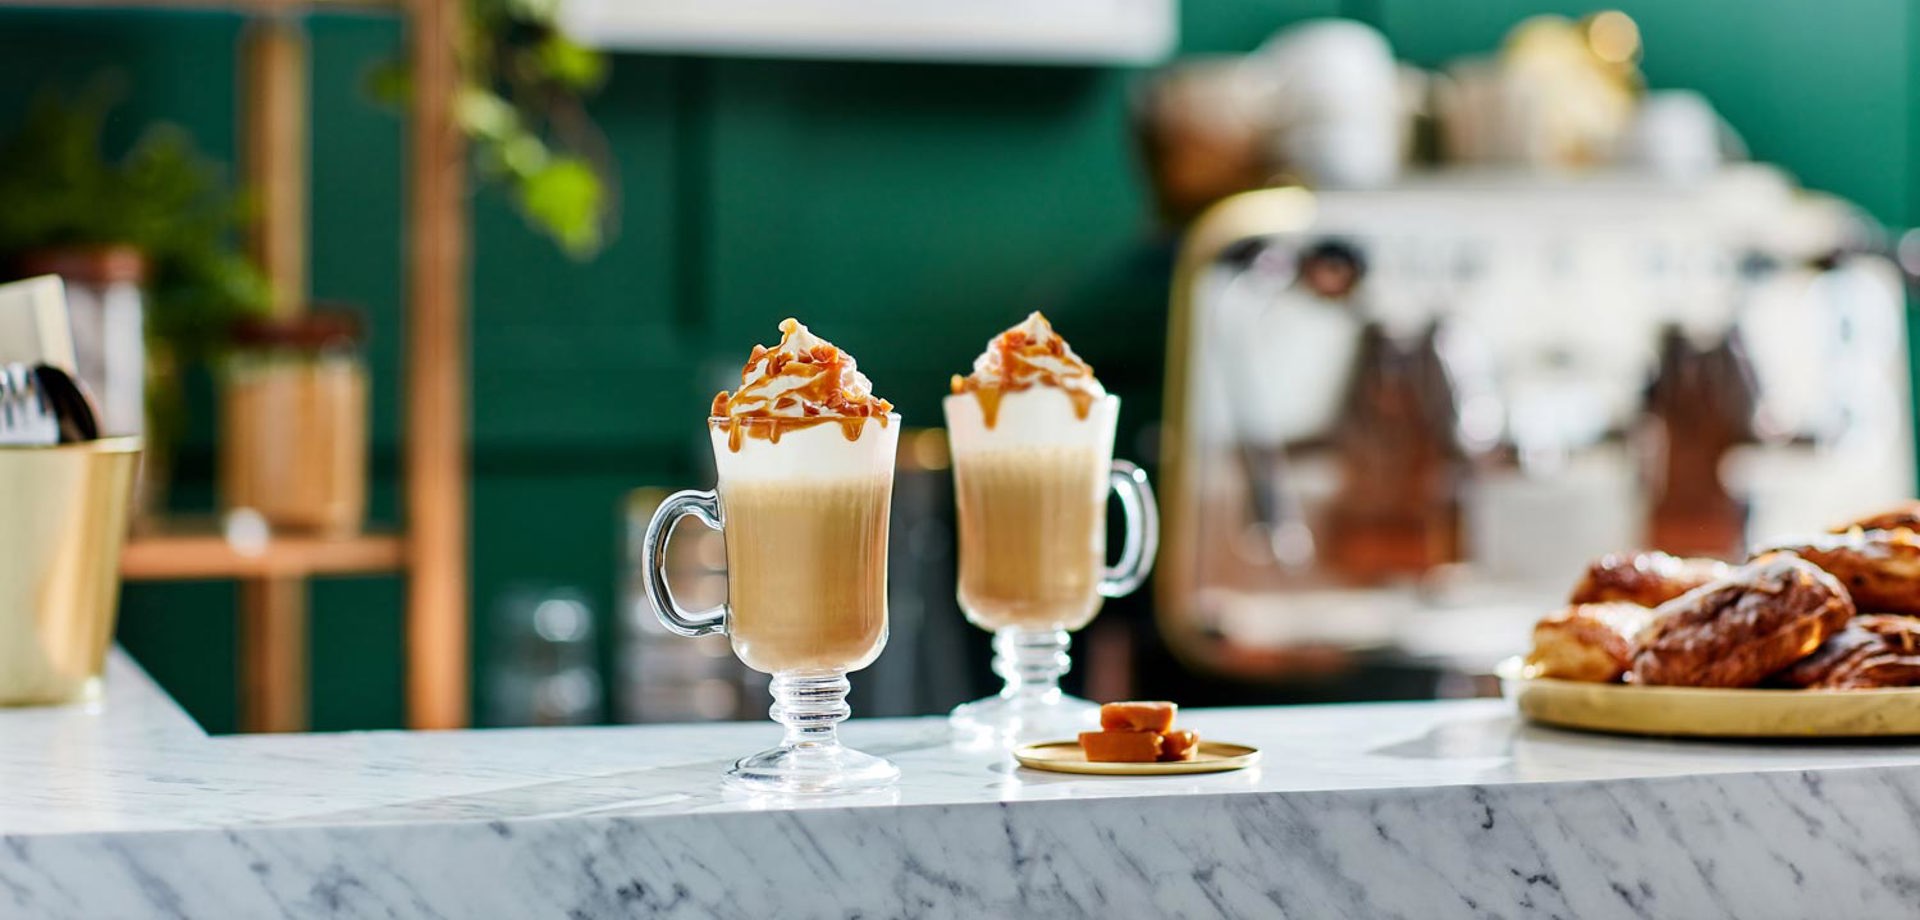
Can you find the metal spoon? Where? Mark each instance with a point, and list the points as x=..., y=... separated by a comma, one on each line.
x=70, y=404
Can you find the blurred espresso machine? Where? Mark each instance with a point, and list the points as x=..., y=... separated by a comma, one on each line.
x=1401, y=420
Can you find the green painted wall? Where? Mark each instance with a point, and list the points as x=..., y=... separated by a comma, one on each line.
x=905, y=210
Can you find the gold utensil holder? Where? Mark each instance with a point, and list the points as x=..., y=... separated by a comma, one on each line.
x=63, y=520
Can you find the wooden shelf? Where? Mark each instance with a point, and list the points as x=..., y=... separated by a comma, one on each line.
x=273, y=61
x=187, y=552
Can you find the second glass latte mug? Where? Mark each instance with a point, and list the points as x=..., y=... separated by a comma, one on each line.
x=804, y=514
x=1030, y=492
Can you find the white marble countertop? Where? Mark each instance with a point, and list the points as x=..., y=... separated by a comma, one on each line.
x=1419, y=810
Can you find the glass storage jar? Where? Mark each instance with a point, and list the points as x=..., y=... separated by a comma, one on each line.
x=293, y=438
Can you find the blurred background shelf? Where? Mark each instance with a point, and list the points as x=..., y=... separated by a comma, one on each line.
x=191, y=549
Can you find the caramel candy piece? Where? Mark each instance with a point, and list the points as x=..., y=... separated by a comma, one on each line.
x=1152, y=716
x=1179, y=744
x=1121, y=747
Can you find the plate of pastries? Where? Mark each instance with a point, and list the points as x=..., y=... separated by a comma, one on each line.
x=1810, y=637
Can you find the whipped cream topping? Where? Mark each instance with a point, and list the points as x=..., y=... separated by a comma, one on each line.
x=1029, y=355
x=801, y=381
x=805, y=376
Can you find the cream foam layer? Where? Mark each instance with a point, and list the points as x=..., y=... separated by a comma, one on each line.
x=1041, y=417
x=813, y=453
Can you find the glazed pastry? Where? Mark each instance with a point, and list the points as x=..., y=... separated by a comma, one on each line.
x=1839, y=651
x=1647, y=579
x=1881, y=568
x=1735, y=632
x=1875, y=650
x=1587, y=642
x=1905, y=517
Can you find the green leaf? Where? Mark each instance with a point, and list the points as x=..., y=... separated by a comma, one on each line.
x=483, y=114
x=564, y=199
x=535, y=11
x=571, y=64
x=524, y=155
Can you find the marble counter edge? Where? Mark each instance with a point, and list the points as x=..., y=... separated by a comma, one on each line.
x=1695, y=845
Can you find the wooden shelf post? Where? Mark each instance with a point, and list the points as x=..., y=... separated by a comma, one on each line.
x=274, y=690
x=436, y=408
x=274, y=84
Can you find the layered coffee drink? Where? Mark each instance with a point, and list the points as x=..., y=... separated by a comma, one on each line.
x=1033, y=536
x=805, y=455
x=1032, y=436
x=1031, y=430
x=807, y=572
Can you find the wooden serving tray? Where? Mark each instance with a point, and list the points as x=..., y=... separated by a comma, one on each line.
x=1707, y=712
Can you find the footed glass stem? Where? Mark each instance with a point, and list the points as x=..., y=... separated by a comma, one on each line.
x=811, y=759
x=1031, y=707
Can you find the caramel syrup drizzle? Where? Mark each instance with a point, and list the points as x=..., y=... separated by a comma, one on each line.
x=822, y=399
x=1016, y=351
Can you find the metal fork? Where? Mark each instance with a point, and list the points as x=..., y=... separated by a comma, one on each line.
x=26, y=418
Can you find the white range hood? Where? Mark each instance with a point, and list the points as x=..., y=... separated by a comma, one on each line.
x=974, y=31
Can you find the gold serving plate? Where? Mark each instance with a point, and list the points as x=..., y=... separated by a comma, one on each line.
x=1066, y=757
x=1710, y=712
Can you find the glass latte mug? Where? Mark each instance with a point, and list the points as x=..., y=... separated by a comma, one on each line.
x=1030, y=493
x=804, y=515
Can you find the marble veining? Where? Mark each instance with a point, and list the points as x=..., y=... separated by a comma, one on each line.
x=1403, y=810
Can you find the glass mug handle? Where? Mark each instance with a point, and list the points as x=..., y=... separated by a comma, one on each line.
x=1142, y=540
x=677, y=620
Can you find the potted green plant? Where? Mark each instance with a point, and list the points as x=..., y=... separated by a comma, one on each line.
x=160, y=216
x=521, y=105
